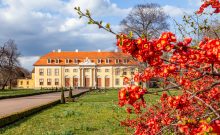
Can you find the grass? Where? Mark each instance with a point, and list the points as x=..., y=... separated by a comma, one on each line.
x=93, y=114
x=21, y=92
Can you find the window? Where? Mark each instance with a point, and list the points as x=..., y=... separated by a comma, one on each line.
x=48, y=81
x=56, y=72
x=107, y=61
x=125, y=61
x=106, y=70
x=66, y=70
x=57, y=61
x=67, y=61
x=48, y=61
x=117, y=81
x=99, y=70
x=124, y=83
x=132, y=71
x=27, y=82
x=99, y=61
x=75, y=70
x=56, y=81
x=49, y=72
x=117, y=71
x=76, y=61
x=124, y=71
x=41, y=81
x=41, y=72
x=117, y=61
x=86, y=70
x=21, y=83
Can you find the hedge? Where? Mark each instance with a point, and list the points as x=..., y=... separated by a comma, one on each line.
x=30, y=94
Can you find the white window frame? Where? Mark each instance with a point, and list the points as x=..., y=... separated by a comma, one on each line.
x=117, y=81
x=49, y=80
x=56, y=73
x=99, y=61
x=67, y=61
x=76, y=61
x=75, y=70
x=57, y=61
x=125, y=71
x=49, y=73
x=125, y=61
x=49, y=61
x=119, y=71
x=41, y=81
x=107, y=61
x=67, y=70
x=56, y=81
x=41, y=70
x=117, y=61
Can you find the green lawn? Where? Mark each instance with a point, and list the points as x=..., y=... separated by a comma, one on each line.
x=93, y=114
x=6, y=93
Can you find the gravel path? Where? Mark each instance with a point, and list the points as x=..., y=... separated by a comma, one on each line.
x=14, y=105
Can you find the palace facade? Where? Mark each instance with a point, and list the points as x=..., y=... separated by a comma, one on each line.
x=80, y=69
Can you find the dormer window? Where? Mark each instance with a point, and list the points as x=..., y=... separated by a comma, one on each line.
x=49, y=61
x=99, y=61
x=117, y=61
x=76, y=61
x=67, y=61
x=125, y=61
x=57, y=61
x=107, y=61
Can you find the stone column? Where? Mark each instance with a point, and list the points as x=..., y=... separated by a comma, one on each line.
x=95, y=83
x=79, y=79
x=82, y=85
x=92, y=76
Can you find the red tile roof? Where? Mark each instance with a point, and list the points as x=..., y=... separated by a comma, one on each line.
x=81, y=56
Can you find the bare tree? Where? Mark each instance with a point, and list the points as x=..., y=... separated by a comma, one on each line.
x=147, y=20
x=198, y=27
x=8, y=62
x=213, y=30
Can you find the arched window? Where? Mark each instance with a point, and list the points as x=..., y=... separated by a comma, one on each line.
x=107, y=81
x=99, y=81
x=75, y=81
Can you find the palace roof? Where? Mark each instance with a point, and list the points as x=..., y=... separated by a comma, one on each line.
x=65, y=58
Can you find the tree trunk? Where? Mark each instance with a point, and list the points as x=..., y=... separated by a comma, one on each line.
x=62, y=96
x=70, y=93
x=5, y=83
x=10, y=83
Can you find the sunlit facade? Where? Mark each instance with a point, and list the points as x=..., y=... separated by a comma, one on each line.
x=83, y=69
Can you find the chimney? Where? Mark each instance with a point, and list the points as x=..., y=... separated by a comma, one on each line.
x=59, y=50
x=99, y=50
x=76, y=50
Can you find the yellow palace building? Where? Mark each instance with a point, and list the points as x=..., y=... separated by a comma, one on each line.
x=80, y=69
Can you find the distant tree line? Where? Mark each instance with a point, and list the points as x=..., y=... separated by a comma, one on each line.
x=10, y=69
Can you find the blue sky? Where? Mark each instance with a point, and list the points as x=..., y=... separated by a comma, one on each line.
x=40, y=26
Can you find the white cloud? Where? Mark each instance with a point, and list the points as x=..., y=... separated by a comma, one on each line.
x=28, y=61
x=72, y=24
x=41, y=26
x=99, y=7
x=176, y=11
